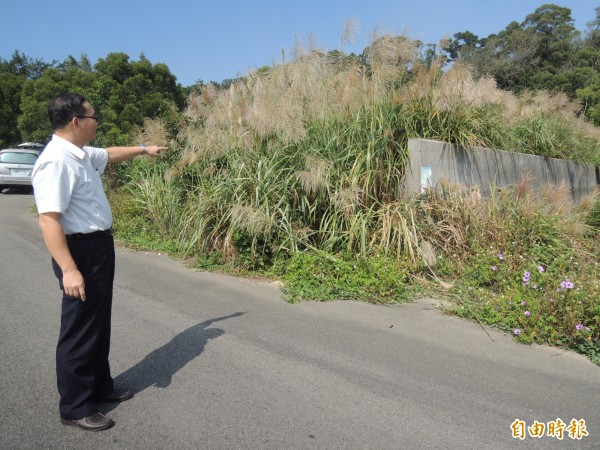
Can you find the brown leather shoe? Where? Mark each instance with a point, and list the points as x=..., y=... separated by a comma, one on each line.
x=117, y=395
x=95, y=422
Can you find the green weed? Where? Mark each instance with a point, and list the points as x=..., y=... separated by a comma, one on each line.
x=322, y=277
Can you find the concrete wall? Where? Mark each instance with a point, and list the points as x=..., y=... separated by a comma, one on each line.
x=433, y=161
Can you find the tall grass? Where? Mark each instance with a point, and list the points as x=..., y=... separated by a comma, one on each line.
x=308, y=158
x=311, y=154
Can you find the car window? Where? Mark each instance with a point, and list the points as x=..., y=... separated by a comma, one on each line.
x=18, y=158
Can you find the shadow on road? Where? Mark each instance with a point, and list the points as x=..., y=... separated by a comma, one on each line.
x=158, y=367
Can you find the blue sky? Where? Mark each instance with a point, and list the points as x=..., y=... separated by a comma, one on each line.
x=214, y=40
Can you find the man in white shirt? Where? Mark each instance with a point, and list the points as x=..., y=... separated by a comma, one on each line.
x=76, y=223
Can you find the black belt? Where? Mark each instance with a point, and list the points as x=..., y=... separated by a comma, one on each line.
x=94, y=234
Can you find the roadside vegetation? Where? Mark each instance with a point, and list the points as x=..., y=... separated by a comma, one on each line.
x=294, y=173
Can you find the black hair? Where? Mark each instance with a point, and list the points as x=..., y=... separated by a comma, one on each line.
x=63, y=108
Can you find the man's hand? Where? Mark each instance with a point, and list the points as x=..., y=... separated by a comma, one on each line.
x=154, y=150
x=54, y=236
x=74, y=285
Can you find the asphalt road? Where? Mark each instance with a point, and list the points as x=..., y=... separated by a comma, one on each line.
x=219, y=362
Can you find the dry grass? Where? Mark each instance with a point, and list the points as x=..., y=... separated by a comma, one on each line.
x=154, y=131
x=314, y=178
x=281, y=102
x=251, y=220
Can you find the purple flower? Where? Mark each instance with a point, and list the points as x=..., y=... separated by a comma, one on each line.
x=527, y=313
x=526, y=275
x=517, y=331
x=500, y=256
x=523, y=303
x=565, y=284
x=534, y=286
x=579, y=326
x=494, y=267
x=541, y=268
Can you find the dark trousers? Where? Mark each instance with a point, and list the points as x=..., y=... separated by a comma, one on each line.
x=82, y=368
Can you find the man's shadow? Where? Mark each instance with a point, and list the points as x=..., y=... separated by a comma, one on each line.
x=159, y=366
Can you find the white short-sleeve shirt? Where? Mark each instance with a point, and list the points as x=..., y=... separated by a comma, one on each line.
x=66, y=179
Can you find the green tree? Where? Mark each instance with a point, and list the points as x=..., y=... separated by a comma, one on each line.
x=13, y=75
x=24, y=66
x=554, y=27
x=33, y=122
x=544, y=51
x=510, y=56
x=462, y=45
x=116, y=66
x=82, y=64
x=526, y=55
x=569, y=64
x=122, y=92
x=593, y=36
x=130, y=91
x=11, y=86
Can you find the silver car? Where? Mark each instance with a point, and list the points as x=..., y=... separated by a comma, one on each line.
x=16, y=165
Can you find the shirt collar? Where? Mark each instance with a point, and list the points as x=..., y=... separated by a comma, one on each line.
x=70, y=147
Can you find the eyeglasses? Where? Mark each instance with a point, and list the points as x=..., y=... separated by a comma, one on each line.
x=89, y=117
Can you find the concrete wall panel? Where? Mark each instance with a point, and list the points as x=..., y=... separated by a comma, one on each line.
x=432, y=161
